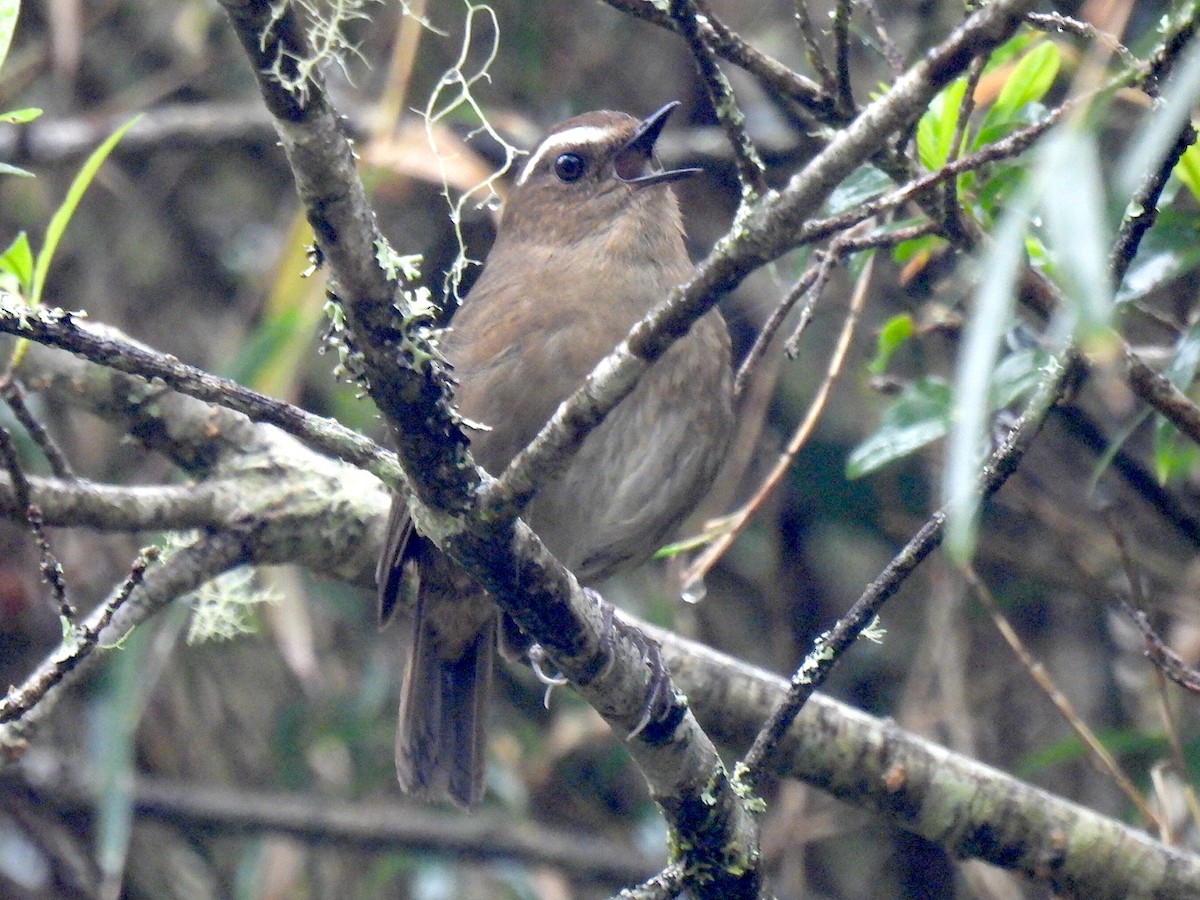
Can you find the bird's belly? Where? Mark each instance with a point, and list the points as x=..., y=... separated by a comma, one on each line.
x=645, y=467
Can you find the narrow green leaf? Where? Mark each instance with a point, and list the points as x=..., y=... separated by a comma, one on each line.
x=1077, y=231
x=920, y=415
x=935, y=131
x=1156, y=135
x=860, y=186
x=1173, y=457
x=1011, y=48
x=1187, y=170
x=895, y=331
x=906, y=250
x=20, y=116
x=17, y=260
x=976, y=362
x=1016, y=376
x=7, y=169
x=10, y=10
x=62, y=216
x=1029, y=81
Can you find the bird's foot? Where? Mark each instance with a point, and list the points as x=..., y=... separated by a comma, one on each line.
x=538, y=661
x=660, y=695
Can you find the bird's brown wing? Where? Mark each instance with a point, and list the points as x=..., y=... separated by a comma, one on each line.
x=398, y=550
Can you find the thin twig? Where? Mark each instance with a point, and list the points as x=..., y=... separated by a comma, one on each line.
x=774, y=75
x=756, y=767
x=951, y=209
x=891, y=53
x=688, y=16
x=1179, y=758
x=767, y=333
x=841, y=57
x=812, y=48
x=842, y=246
x=48, y=564
x=11, y=391
x=1096, y=750
x=84, y=639
x=736, y=522
x=1054, y=21
x=1143, y=206
x=1164, y=658
x=59, y=328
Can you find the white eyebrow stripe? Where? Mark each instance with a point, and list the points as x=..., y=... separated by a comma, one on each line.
x=572, y=137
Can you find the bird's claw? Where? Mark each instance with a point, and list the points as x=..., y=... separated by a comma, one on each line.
x=537, y=661
x=659, y=694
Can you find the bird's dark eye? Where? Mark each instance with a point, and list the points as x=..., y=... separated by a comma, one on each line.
x=570, y=167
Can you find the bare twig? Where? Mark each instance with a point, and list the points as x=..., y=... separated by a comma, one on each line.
x=1057, y=22
x=773, y=74
x=11, y=391
x=1099, y=754
x=951, y=210
x=58, y=328
x=370, y=826
x=757, y=764
x=29, y=703
x=737, y=522
x=891, y=53
x=812, y=48
x=688, y=14
x=48, y=563
x=841, y=57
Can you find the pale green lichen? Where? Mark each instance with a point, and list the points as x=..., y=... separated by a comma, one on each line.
x=326, y=21
x=416, y=313
x=453, y=96
x=875, y=631
x=226, y=606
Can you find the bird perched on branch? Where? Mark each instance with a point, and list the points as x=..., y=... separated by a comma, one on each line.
x=590, y=240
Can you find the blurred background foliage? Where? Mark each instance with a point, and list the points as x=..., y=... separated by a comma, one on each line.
x=190, y=241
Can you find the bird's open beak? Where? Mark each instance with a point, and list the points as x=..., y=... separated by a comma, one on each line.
x=637, y=155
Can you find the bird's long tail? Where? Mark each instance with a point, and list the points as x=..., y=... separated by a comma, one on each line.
x=441, y=740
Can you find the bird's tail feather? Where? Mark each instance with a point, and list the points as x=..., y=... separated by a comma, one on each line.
x=441, y=740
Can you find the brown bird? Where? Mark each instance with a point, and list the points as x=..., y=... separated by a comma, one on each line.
x=591, y=239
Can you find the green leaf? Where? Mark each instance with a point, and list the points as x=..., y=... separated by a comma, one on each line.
x=1125, y=743
x=17, y=261
x=1017, y=376
x=9, y=11
x=1173, y=457
x=20, y=116
x=993, y=127
x=1187, y=170
x=1029, y=81
x=918, y=416
x=62, y=216
x=895, y=331
x=1012, y=48
x=7, y=169
x=1181, y=371
x=860, y=186
x=977, y=355
x=906, y=250
x=1077, y=230
x=935, y=131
